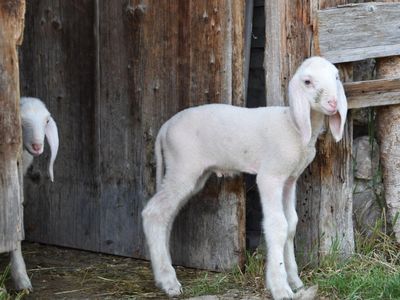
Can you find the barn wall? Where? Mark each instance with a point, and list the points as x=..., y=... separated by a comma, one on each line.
x=111, y=73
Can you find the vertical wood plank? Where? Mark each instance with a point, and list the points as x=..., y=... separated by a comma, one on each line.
x=171, y=55
x=11, y=198
x=389, y=134
x=275, y=52
x=57, y=63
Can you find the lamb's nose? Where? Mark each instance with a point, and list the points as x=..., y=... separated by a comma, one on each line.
x=37, y=147
x=332, y=103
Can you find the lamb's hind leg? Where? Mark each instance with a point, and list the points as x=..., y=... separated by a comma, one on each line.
x=158, y=216
x=18, y=270
x=201, y=181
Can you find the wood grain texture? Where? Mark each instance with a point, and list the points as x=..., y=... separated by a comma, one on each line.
x=373, y=93
x=11, y=197
x=324, y=190
x=358, y=31
x=111, y=74
x=57, y=65
x=388, y=121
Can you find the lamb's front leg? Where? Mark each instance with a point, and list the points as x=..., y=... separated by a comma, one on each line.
x=289, y=201
x=275, y=229
x=18, y=270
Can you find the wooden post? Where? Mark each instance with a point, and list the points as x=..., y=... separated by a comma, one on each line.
x=11, y=197
x=389, y=137
x=324, y=190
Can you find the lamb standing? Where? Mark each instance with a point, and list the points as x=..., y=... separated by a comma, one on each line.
x=276, y=143
x=36, y=124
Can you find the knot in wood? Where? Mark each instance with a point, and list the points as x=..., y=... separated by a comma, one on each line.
x=371, y=8
x=56, y=23
x=138, y=10
x=205, y=16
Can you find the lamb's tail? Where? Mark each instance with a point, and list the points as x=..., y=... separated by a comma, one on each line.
x=158, y=149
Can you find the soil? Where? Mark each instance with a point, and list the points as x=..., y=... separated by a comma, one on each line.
x=61, y=273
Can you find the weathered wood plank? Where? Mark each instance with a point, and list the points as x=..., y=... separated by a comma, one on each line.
x=373, y=93
x=388, y=121
x=358, y=31
x=160, y=79
x=248, y=19
x=275, y=33
x=57, y=65
x=374, y=99
x=11, y=197
x=110, y=92
x=368, y=86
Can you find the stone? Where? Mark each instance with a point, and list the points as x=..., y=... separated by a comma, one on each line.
x=366, y=157
x=368, y=187
x=367, y=205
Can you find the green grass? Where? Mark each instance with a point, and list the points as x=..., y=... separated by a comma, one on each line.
x=209, y=284
x=253, y=272
x=373, y=272
x=4, y=295
x=3, y=277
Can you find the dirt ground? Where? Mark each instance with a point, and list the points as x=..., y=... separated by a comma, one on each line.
x=60, y=273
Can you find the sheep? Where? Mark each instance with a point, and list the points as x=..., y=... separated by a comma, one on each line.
x=36, y=124
x=276, y=143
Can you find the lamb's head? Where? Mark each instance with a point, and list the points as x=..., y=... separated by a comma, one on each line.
x=316, y=85
x=36, y=124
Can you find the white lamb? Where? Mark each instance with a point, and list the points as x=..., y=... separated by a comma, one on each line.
x=276, y=143
x=36, y=124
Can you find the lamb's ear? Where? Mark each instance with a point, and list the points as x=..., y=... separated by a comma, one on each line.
x=52, y=139
x=300, y=109
x=337, y=121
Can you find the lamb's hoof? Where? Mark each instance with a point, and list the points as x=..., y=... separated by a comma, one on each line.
x=296, y=284
x=171, y=287
x=306, y=293
x=174, y=291
x=282, y=293
x=23, y=283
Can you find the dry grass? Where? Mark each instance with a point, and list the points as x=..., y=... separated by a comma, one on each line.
x=373, y=272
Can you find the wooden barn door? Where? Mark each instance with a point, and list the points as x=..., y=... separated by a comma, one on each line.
x=111, y=72
x=11, y=29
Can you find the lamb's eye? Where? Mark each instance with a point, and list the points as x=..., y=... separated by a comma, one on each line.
x=48, y=120
x=307, y=82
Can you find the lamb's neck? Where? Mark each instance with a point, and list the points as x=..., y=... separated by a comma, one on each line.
x=317, y=124
x=27, y=160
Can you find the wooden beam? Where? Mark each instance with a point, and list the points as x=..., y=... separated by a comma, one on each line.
x=358, y=31
x=388, y=131
x=372, y=93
